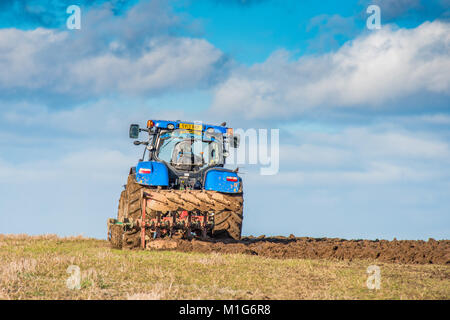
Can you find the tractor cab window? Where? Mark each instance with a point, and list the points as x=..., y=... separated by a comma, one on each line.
x=187, y=150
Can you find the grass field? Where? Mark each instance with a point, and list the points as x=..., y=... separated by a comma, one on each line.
x=36, y=268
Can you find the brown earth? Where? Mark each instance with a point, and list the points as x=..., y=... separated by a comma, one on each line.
x=396, y=251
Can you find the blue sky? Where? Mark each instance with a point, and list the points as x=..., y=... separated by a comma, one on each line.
x=363, y=114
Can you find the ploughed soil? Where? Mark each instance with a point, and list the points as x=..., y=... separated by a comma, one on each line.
x=396, y=251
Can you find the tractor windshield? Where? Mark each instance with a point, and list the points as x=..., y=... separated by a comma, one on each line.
x=189, y=150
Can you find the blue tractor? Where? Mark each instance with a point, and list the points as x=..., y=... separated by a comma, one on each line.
x=180, y=187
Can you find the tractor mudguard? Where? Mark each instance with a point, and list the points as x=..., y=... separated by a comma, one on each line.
x=152, y=173
x=222, y=180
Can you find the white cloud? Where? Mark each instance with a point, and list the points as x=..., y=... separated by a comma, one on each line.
x=372, y=70
x=138, y=53
x=176, y=64
x=28, y=65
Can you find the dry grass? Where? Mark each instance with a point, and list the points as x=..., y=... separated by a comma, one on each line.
x=36, y=268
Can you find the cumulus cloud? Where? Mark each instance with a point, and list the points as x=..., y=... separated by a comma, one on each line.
x=134, y=54
x=179, y=63
x=375, y=70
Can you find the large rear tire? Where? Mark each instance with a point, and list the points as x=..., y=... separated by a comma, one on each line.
x=228, y=224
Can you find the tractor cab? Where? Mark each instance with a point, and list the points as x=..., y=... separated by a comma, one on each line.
x=188, y=151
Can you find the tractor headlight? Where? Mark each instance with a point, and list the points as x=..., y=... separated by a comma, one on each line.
x=170, y=126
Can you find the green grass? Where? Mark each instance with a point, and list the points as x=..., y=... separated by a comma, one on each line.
x=36, y=268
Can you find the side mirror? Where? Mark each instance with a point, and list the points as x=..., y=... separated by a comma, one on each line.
x=134, y=131
x=235, y=140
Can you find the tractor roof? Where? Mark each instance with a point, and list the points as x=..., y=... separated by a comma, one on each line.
x=178, y=124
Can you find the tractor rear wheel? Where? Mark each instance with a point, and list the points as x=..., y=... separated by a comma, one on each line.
x=228, y=224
